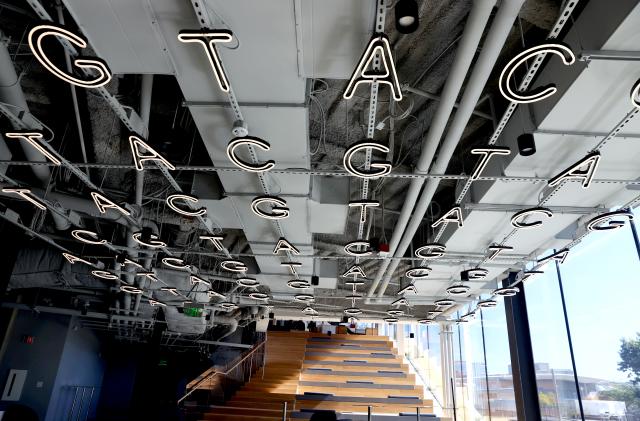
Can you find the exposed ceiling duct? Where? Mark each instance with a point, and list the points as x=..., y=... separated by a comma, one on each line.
x=289, y=65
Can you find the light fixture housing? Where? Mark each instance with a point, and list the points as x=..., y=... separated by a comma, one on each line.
x=391, y=319
x=426, y=321
x=526, y=144
x=395, y=313
x=406, y=14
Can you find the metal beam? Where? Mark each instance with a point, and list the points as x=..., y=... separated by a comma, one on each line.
x=332, y=173
x=425, y=94
x=522, y=362
x=217, y=104
x=495, y=207
x=613, y=55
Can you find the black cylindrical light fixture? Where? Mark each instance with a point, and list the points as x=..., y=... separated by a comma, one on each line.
x=407, y=20
x=526, y=144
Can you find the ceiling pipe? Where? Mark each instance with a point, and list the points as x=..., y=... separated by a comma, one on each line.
x=11, y=94
x=74, y=94
x=491, y=49
x=474, y=28
x=145, y=110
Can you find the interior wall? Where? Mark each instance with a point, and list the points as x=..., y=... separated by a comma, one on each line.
x=62, y=354
x=41, y=358
x=81, y=365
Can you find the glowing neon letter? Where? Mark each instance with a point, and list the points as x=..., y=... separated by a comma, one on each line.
x=252, y=141
x=381, y=167
x=137, y=145
x=38, y=33
x=379, y=45
x=542, y=92
x=589, y=164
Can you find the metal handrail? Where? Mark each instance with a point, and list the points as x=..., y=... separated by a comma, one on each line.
x=223, y=373
x=422, y=379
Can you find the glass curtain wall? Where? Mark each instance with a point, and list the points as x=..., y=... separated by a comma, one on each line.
x=600, y=280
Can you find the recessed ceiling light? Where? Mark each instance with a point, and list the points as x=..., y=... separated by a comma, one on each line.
x=406, y=13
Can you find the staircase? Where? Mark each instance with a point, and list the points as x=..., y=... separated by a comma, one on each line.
x=341, y=373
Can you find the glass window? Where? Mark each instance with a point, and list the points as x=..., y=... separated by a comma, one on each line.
x=554, y=374
x=601, y=281
x=501, y=398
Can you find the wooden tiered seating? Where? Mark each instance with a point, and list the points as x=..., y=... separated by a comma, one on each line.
x=312, y=371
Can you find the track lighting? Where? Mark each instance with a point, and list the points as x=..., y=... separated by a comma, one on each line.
x=407, y=19
x=526, y=144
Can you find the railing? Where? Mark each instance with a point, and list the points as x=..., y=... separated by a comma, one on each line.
x=423, y=380
x=239, y=373
x=78, y=408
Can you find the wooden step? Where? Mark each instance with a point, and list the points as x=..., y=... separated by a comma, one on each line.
x=347, y=350
x=367, y=359
x=247, y=411
x=335, y=378
x=237, y=417
x=266, y=396
x=346, y=366
x=362, y=407
x=252, y=403
x=357, y=391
